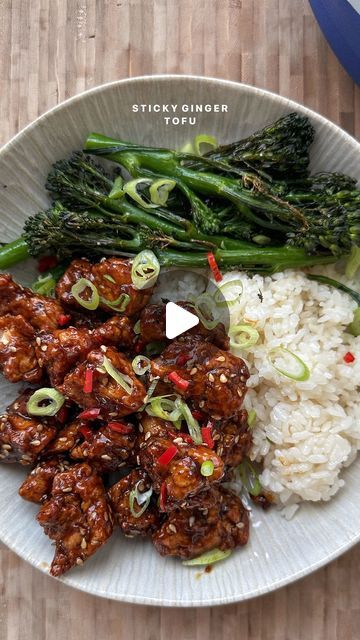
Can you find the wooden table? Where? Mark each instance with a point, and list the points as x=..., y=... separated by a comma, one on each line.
x=52, y=49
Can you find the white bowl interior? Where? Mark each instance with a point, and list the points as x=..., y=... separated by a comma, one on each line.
x=131, y=570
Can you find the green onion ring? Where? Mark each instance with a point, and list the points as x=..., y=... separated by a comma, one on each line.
x=137, y=327
x=209, y=557
x=205, y=308
x=160, y=189
x=56, y=401
x=130, y=188
x=220, y=298
x=121, y=378
x=164, y=408
x=107, y=276
x=119, y=304
x=207, y=468
x=117, y=190
x=202, y=138
x=250, y=478
x=251, y=417
x=143, y=500
x=192, y=424
x=81, y=285
x=251, y=337
x=304, y=371
x=138, y=368
x=145, y=270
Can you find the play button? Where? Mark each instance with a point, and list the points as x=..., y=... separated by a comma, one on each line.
x=178, y=320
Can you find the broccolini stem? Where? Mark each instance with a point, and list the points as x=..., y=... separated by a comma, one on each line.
x=13, y=252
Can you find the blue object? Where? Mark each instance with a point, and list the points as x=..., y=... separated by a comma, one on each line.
x=340, y=22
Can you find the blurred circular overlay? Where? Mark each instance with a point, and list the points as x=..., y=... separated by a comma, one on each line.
x=339, y=21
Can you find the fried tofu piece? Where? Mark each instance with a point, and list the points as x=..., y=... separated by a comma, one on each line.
x=41, y=312
x=106, y=394
x=77, y=517
x=66, y=438
x=106, y=449
x=232, y=439
x=112, y=279
x=188, y=533
x=23, y=438
x=153, y=326
x=181, y=478
x=216, y=378
x=18, y=361
x=61, y=350
x=119, y=495
x=37, y=485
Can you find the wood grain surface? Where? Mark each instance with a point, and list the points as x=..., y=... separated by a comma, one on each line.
x=52, y=49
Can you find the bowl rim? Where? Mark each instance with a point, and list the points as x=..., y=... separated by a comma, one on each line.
x=284, y=101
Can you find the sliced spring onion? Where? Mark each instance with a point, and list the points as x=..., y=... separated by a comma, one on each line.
x=137, y=327
x=192, y=423
x=79, y=287
x=160, y=189
x=251, y=417
x=205, y=308
x=187, y=148
x=131, y=189
x=119, y=304
x=145, y=270
x=228, y=293
x=143, y=500
x=209, y=557
x=353, y=262
x=140, y=365
x=250, y=478
x=121, y=378
x=151, y=390
x=301, y=374
x=354, y=327
x=243, y=336
x=117, y=190
x=45, y=284
x=164, y=408
x=203, y=143
x=107, y=276
x=207, y=468
x=54, y=398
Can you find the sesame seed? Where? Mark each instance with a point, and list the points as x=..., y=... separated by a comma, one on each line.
x=103, y=348
x=83, y=543
x=106, y=517
x=239, y=392
x=35, y=443
x=205, y=511
x=62, y=439
x=216, y=417
x=236, y=439
x=147, y=435
x=38, y=341
x=138, y=460
x=221, y=359
x=178, y=441
x=193, y=371
x=7, y=447
x=242, y=379
x=79, y=561
x=202, y=404
x=220, y=450
x=141, y=428
x=106, y=457
x=191, y=521
x=44, y=347
x=223, y=378
x=216, y=436
x=113, y=414
x=240, y=525
x=67, y=490
x=211, y=377
x=86, y=452
x=172, y=528
x=40, y=427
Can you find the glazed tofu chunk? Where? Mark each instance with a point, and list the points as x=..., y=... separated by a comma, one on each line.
x=77, y=517
x=214, y=379
x=187, y=533
x=232, y=439
x=105, y=391
x=144, y=522
x=112, y=279
x=41, y=312
x=18, y=361
x=107, y=448
x=60, y=350
x=22, y=437
x=37, y=486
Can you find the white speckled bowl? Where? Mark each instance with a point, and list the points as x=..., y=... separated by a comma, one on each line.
x=279, y=552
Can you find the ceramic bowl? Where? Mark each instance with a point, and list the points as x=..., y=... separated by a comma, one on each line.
x=279, y=551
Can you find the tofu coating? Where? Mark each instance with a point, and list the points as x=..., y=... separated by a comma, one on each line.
x=41, y=312
x=119, y=496
x=18, y=361
x=37, y=485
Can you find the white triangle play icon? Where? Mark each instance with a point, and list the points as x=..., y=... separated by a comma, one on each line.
x=178, y=320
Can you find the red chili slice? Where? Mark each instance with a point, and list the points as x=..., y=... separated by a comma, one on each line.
x=214, y=267
x=62, y=414
x=89, y=414
x=178, y=381
x=85, y=431
x=349, y=357
x=47, y=262
x=89, y=379
x=139, y=346
x=163, y=496
x=63, y=319
x=206, y=435
x=198, y=415
x=168, y=455
x=120, y=427
x=182, y=359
